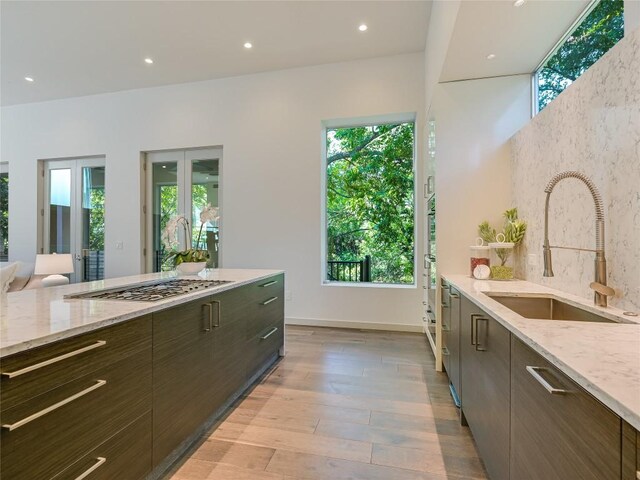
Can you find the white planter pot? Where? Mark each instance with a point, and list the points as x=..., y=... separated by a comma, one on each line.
x=190, y=268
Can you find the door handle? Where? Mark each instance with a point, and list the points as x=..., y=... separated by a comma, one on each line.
x=209, y=307
x=474, y=338
x=547, y=386
x=479, y=346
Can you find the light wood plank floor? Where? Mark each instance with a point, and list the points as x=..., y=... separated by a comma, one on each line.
x=343, y=404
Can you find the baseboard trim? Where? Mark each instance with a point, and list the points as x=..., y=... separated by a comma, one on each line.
x=389, y=327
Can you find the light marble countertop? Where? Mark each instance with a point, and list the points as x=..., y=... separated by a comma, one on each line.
x=31, y=318
x=603, y=358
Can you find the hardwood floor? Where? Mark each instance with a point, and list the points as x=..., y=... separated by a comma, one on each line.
x=343, y=404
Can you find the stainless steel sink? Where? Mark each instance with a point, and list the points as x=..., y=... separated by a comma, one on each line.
x=547, y=308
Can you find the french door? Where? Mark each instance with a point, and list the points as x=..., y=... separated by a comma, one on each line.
x=74, y=214
x=182, y=182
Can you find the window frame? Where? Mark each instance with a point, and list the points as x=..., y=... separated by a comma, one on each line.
x=534, y=80
x=407, y=117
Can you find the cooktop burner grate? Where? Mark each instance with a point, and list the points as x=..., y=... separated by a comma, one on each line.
x=151, y=291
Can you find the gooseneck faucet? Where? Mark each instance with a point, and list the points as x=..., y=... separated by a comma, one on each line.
x=600, y=284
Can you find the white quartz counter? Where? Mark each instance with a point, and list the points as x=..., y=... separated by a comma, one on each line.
x=604, y=358
x=31, y=318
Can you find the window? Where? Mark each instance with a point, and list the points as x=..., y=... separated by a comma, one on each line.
x=369, y=204
x=4, y=212
x=599, y=29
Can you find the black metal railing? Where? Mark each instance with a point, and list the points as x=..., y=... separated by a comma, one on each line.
x=93, y=266
x=349, y=271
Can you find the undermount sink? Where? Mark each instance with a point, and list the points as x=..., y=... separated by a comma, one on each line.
x=547, y=308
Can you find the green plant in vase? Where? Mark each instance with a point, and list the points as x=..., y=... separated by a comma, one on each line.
x=170, y=240
x=511, y=235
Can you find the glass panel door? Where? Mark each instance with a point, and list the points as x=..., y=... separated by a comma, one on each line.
x=164, y=187
x=181, y=182
x=74, y=214
x=204, y=191
x=92, y=223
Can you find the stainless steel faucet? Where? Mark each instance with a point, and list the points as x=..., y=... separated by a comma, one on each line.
x=602, y=291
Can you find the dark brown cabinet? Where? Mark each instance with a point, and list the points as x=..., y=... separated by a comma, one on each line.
x=63, y=400
x=485, y=386
x=453, y=344
x=558, y=430
x=183, y=373
x=204, y=354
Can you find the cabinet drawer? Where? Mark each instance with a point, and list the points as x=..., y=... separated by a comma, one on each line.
x=264, y=314
x=558, y=434
x=70, y=420
x=126, y=455
x=264, y=346
x=269, y=287
x=29, y=374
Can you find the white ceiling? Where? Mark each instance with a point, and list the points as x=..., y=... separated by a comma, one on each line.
x=74, y=48
x=520, y=37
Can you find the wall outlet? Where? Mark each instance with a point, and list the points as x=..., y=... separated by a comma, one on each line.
x=288, y=296
x=532, y=260
x=119, y=245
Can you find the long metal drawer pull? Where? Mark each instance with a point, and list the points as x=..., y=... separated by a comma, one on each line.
x=534, y=373
x=474, y=339
x=210, y=316
x=93, y=468
x=36, y=366
x=217, y=324
x=271, y=332
x=445, y=351
x=267, y=302
x=454, y=295
x=55, y=406
x=268, y=284
x=479, y=347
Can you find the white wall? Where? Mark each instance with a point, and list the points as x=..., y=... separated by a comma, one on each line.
x=269, y=125
x=474, y=121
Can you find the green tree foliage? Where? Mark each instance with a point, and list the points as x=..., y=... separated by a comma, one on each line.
x=96, y=219
x=599, y=31
x=370, y=199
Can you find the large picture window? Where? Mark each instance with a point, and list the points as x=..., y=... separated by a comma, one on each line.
x=599, y=29
x=369, y=199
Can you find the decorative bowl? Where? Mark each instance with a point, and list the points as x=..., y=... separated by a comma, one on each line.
x=190, y=268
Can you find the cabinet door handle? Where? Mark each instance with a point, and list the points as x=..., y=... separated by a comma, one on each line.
x=444, y=305
x=474, y=338
x=479, y=347
x=209, y=317
x=267, y=302
x=445, y=351
x=219, y=316
x=446, y=328
x=534, y=373
x=271, y=332
x=36, y=366
x=55, y=406
x=268, y=284
x=92, y=468
x=454, y=295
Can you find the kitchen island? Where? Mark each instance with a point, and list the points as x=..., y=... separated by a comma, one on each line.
x=121, y=389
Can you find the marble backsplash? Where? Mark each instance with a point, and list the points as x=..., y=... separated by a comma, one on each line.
x=592, y=127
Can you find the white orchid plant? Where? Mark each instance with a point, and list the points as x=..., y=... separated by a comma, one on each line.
x=209, y=214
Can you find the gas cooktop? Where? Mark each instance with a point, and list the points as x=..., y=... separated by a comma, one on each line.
x=150, y=291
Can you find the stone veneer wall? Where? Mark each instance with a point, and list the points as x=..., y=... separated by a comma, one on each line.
x=592, y=127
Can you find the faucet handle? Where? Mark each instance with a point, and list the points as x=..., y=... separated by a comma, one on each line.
x=602, y=289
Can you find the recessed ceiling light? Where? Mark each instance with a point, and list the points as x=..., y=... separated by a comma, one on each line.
x=519, y=3
x=248, y=45
x=148, y=60
x=29, y=79
x=491, y=56
x=363, y=28
x=164, y=166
